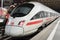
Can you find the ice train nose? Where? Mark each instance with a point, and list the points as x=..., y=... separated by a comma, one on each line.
x=14, y=31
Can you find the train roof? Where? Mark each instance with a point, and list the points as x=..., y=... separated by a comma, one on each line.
x=42, y=7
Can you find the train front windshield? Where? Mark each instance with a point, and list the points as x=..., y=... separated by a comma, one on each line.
x=22, y=10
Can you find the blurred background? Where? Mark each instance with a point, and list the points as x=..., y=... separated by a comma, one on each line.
x=54, y=4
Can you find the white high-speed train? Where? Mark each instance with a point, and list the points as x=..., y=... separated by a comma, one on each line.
x=28, y=18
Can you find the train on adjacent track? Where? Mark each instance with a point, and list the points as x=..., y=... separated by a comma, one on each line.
x=27, y=18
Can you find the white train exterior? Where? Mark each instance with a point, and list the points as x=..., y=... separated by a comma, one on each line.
x=28, y=18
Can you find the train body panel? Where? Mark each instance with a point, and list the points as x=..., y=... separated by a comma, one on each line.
x=27, y=18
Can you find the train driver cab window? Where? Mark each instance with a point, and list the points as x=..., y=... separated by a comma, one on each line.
x=22, y=10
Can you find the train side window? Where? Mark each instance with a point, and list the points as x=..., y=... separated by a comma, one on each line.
x=53, y=14
x=46, y=14
x=42, y=14
x=35, y=17
x=38, y=15
x=50, y=14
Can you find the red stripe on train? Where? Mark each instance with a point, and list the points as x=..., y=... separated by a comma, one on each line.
x=34, y=22
x=48, y=18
